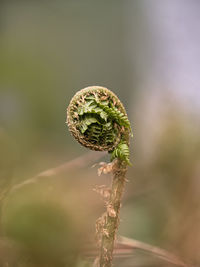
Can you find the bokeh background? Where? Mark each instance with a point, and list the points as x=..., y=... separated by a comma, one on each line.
x=147, y=52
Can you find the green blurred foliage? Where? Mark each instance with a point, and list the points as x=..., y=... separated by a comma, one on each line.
x=44, y=230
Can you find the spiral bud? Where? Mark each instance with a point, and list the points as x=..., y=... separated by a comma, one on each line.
x=97, y=119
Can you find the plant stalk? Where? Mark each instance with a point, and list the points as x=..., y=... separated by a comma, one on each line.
x=112, y=217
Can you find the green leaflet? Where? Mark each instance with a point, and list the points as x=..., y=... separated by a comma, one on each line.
x=108, y=133
x=122, y=152
x=116, y=115
x=94, y=133
x=83, y=126
x=110, y=110
x=91, y=107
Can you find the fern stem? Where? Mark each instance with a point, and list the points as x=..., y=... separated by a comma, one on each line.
x=112, y=217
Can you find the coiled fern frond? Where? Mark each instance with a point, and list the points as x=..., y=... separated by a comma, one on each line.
x=98, y=120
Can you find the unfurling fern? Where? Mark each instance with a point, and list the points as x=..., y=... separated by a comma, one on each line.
x=98, y=120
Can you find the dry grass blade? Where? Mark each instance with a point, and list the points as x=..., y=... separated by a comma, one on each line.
x=158, y=252
x=78, y=162
x=125, y=247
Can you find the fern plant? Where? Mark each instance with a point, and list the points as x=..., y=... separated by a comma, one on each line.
x=98, y=120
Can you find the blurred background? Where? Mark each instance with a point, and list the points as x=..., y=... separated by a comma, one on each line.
x=147, y=52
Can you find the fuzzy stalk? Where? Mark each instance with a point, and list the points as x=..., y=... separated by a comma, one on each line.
x=97, y=119
x=112, y=217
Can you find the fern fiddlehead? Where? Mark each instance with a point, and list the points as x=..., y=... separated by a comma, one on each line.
x=98, y=120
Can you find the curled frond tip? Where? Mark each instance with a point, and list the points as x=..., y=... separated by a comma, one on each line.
x=98, y=120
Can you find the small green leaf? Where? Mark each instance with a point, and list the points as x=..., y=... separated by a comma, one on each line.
x=121, y=152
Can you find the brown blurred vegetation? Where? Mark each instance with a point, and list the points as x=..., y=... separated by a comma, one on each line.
x=48, y=51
